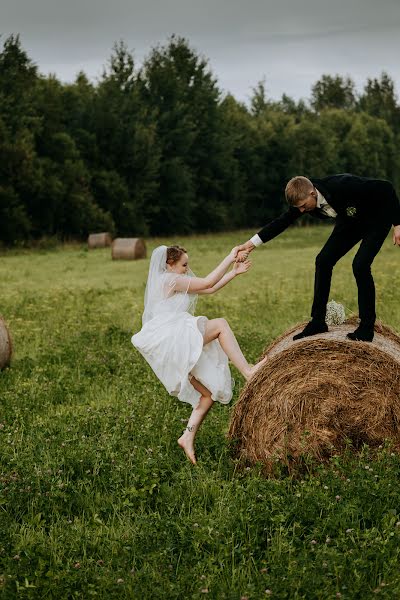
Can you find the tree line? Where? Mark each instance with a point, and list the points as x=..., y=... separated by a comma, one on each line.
x=159, y=150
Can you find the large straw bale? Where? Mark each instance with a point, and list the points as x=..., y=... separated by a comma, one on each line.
x=5, y=345
x=99, y=240
x=314, y=395
x=128, y=248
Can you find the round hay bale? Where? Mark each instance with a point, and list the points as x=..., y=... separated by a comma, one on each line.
x=315, y=394
x=99, y=240
x=5, y=345
x=128, y=249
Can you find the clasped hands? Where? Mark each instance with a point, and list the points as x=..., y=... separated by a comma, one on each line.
x=239, y=257
x=243, y=251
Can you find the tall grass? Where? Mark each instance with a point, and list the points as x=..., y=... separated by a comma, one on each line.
x=96, y=498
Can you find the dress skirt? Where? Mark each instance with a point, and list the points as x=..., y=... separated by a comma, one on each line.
x=173, y=345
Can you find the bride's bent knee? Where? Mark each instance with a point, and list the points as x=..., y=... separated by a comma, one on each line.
x=213, y=327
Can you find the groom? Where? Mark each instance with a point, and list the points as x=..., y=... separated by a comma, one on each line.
x=364, y=210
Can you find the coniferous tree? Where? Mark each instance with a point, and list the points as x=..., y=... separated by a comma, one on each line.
x=333, y=92
x=182, y=91
x=379, y=100
x=127, y=144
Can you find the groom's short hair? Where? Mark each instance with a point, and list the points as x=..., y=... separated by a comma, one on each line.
x=297, y=189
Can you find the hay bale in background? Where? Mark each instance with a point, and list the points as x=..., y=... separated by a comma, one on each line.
x=128, y=249
x=316, y=393
x=99, y=240
x=5, y=345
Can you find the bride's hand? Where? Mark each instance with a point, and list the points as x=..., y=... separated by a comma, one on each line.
x=233, y=253
x=241, y=267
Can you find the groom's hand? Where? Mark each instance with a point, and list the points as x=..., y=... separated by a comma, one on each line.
x=244, y=251
x=396, y=236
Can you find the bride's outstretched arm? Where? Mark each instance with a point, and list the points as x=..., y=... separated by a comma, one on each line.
x=238, y=269
x=197, y=284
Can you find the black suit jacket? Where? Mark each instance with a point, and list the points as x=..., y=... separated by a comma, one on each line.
x=355, y=199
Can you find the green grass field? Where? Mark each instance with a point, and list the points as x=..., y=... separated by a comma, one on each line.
x=96, y=498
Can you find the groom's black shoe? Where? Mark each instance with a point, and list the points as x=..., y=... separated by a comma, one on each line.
x=362, y=334
x=312, y=328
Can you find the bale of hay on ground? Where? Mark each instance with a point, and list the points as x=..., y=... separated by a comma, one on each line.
x=314, y=395
x=128, y=249
x=99, y=240
x=5, y=345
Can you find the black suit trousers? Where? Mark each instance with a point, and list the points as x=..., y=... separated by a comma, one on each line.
x=346, y=234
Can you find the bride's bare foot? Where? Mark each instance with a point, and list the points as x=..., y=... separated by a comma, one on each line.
x=186, y=443
x=254, y=368
x=248, y=373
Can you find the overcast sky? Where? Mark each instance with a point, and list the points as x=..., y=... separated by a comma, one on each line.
x=290, y=43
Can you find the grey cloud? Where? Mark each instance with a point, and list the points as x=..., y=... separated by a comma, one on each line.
x=290, y=42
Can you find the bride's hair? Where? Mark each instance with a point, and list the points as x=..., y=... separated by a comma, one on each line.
x=174, y=253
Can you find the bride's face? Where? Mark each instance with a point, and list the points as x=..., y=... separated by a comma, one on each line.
x=180, y=266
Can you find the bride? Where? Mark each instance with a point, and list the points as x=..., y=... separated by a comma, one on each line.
x=189, y=354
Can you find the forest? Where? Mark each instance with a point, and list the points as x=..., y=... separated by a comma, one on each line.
x=159, y=149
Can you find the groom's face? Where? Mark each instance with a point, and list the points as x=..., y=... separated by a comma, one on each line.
x=308, y=203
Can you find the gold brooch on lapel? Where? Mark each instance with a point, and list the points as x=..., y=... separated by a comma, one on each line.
x=351, y=211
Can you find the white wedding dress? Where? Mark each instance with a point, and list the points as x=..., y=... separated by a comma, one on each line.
x=171, y=341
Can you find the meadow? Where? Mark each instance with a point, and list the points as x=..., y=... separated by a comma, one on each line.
x=96, y=498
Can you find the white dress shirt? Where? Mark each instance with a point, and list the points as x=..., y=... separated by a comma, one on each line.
x=323, y=206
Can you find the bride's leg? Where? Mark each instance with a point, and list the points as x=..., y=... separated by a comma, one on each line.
x=219, y=329
x=186, y=441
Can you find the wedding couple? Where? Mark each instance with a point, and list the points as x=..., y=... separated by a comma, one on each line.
x=190, y=354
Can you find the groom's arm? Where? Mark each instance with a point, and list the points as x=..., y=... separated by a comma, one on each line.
x=278, y=225
x=272, y=229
